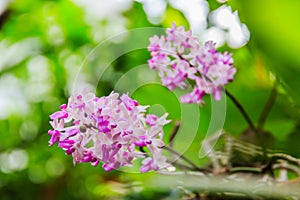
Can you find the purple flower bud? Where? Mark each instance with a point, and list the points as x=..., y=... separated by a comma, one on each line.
x=72, y=132
x=147, y=165
x=108, y=167
x=63, y=106
x=67, y=145
x=151, y=119
x=140, y=143
x=128, y=102
x=70, y=151
x=55, y=136
x=59, y=115
x=105, y=153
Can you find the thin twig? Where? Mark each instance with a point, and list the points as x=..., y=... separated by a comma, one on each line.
x=281, y=156
x=242, y=110
x=291, y=168
x=271, y=100
x=195, y=167
x=245, y=169
x=181, y=165
x=174, y=133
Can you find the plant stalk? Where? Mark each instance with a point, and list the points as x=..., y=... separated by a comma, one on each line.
x=191, y=163
x=267, y=108
x=242, y=110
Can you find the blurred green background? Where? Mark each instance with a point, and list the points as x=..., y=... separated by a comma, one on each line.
x=49, y=49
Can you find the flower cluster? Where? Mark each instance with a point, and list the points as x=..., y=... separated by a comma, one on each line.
x=109, y=130
x=179, y=56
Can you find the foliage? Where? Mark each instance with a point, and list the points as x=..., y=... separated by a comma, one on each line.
x=45, y=44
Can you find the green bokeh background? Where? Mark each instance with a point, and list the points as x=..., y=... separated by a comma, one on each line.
x=40, y=78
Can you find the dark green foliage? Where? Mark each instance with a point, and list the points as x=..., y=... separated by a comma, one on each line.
x=272, y=52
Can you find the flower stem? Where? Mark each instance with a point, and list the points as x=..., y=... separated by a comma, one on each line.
x=194, y=166
x=174, y=133
x=267, y=108
x=241, y=109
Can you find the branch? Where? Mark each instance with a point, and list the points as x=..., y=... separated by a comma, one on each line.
x=194, y=166
x=242, y=110
x=268, y=106
x=281, y=156
x=182, y=166
x=174, y=133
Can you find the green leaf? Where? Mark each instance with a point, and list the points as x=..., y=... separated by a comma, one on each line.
x=274, y=26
